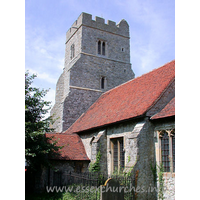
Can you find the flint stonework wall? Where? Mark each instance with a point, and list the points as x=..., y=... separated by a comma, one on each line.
x=87, y=67
x=76, y=103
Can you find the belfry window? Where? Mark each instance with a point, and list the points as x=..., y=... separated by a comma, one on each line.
x=101, y=47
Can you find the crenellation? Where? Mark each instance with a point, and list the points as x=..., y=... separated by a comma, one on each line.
x=111, y=23
x=100, y=20
x=85, y=19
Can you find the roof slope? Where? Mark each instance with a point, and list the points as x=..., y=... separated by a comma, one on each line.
x=126, y=101
x=167, y=111
x=73, y=147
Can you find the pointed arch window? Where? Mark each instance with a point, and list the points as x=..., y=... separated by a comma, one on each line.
x=101, y=47
x=167, y=149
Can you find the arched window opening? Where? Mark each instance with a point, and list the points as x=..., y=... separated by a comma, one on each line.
x=103, y=48
x=99, y=47
x=102, y=82
x=165, y=151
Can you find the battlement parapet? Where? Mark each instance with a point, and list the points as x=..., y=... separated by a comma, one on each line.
x=122, y=28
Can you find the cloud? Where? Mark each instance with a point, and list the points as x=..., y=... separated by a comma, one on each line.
x=152, y=33
x=50, y=96
x=43, y=76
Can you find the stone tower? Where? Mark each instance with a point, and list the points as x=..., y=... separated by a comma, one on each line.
x=97, y=59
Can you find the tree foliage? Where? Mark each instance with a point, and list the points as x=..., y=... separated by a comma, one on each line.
x=37, y=146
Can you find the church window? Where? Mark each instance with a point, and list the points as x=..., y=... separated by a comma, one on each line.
x=167, y=149
x=103, y=83
x=72, y=51
x=101, y=47
x=117, y=148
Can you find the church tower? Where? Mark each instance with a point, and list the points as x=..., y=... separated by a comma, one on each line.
x=97, y=59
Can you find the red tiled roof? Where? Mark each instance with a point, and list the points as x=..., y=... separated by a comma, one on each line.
x=73, y=147
x=126, y=101
x=167, y=111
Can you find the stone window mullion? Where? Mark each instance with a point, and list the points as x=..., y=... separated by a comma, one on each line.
x=170, y=150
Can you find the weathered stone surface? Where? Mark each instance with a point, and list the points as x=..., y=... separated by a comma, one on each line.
x=79, y=85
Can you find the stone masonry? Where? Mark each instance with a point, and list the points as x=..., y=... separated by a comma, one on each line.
x=80, y=84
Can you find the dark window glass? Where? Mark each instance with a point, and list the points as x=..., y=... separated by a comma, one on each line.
x=103, y=48
x=165, y=151
x=121, y=154
x=102, y=82
x=99, y=47
x=115, y=155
